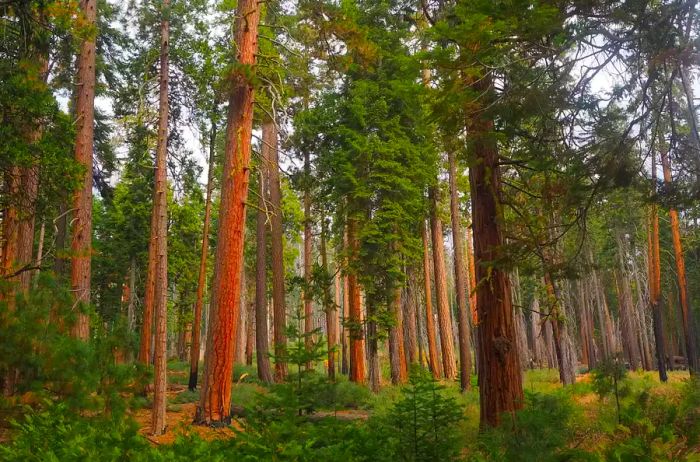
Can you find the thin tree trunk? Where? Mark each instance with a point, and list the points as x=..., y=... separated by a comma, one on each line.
x=433, y=360
x=443, y=305
x=308, y=306
x=500, y=378
x=202, y=278
x=242, y=329
x=81, y=245
x=686, y=311
x=410, y=327
x=261, y=331
x=276, y=243
x=215, y=403
x=158, y=416
x=330, y=310
x=655, y=279
x=346, y=331
x=131, y=307
x=461, y=283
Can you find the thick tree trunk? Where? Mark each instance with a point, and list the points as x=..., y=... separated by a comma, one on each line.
x=215, y=403
x=500, y=378
x=433, y=359
x=81, y=245
x=271, y=156
x=357, y=358
x=655, y=279
x=686, y=311
x=202, y=278
x=443, y=304
x=160, y=210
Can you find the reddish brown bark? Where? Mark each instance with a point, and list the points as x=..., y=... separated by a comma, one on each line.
x=443, y=304
x=409, y=320
x=270, y=142
x=461, y=283
x=357, y=354
x=397, y=354
x=500, y=378
x=686, y=311
x=655, y=279
x=472, y=277
x=433, y=360
x=215, y=403
x=202, y=278
x=81, y=245
x=160, y=356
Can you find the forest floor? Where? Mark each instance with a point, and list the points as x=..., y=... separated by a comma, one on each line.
x=354, y=403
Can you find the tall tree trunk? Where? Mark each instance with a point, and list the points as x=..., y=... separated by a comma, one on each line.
x=461, y=283
x=261, y=330
x=443, y=304
x=557, y=318
x=686, y=311
x=500, y=378
x=215, y=403
x=345, y=368
x=270, y=143
x=160, y=210
x=357, y=358
x=308, y=305
x=472, y=276
x=241, y=331
x=131, y=307
x=330, y=311
x=397, y=355
x=433, y=359
x=81, y=246
x=202, y=278
x=655, y=278
x=409, y=317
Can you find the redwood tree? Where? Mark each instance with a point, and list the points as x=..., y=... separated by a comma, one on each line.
x=215, y=402
x=81, y=245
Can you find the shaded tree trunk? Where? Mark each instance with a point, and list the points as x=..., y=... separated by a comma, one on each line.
x=686, y=311
x=215, y=402
x=460, y=277
x=397, y=355
x=433, y=360
x=500, y=379
x=308, y=305
x=261, y=331
x=655, y=279
x=330, y=311
x=160, y=360
x=270, y=143
x=357, y=358
x=81, y=245
x=409, y=317
x=443, y=304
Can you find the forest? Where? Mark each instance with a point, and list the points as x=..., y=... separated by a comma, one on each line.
x=349, y=230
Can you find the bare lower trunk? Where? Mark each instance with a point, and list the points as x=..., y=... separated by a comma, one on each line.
x=215, y=402
x=261, y=334
x=202, y=278
x=81, y=245
x=357, y=358
x=433, y=360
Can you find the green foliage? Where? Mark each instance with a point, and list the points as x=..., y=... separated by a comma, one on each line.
x=422, y=425
x=609, y=378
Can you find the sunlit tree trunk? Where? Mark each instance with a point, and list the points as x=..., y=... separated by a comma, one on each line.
x=215, y=402
x=81, y=245
x=500, y=378
x=202, y=278
x=687, y=313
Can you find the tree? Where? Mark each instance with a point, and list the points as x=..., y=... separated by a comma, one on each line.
x=215, y=403
x=460, y=276
x=82, y=201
